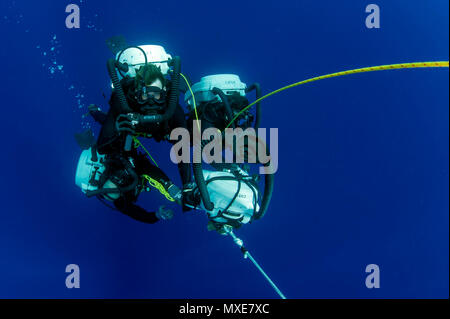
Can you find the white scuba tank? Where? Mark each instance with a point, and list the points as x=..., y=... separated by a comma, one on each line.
x=222, y=192
x=135, y=58
x=89, y=171
x=228, y=83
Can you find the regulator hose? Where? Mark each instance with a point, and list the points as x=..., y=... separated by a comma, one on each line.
x=201, y=184
x=268, y=190
x=268, y=184
x=225, y=101
x=257, y=87
x=111, y=66
x=268, y=187
x=203, y=190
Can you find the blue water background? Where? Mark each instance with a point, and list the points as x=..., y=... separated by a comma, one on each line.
x=363, y=160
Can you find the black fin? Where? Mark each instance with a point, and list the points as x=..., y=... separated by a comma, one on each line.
x=85, y=139
x=116, y=43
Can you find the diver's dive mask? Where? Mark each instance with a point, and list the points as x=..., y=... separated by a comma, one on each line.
x=151, y=95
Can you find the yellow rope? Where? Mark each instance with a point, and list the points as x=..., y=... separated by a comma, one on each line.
x=193, y=100
x=154, y=183
x=136, y=140
x=437, y=64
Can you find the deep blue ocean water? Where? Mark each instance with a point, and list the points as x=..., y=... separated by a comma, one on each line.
x=363, y=160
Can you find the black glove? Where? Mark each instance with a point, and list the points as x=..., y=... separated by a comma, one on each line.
x=128, y=123
x=164, y=213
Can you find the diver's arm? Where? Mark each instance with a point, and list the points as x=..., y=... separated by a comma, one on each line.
x=136, y=212
x=109, y=141
x=98, y=115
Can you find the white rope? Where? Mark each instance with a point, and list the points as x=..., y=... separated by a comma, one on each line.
x=240, y=243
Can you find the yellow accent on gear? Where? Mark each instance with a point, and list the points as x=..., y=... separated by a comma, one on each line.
x=193, y=99
x=437, y=64
x=138, y=143
x=154, y=183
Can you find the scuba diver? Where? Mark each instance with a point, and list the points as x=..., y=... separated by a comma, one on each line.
x=229, y=194
x=143, y=103
x=146, y=95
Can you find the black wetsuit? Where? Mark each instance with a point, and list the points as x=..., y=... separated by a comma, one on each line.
x=113, y=147
x=126, y=203
x=111, y=142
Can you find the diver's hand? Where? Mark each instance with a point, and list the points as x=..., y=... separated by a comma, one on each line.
x=93, y=108
x=164, y=213
x=128, y=123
